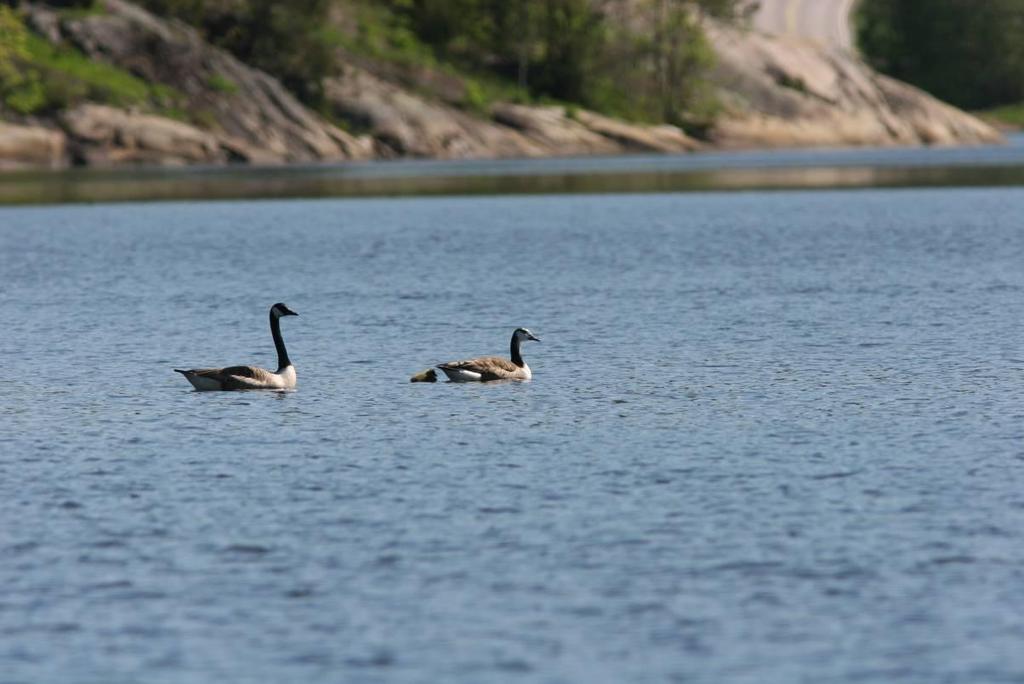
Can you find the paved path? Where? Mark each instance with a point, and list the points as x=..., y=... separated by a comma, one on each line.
x=826, y=22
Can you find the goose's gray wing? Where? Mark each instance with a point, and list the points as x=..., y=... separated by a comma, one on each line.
x=488, y=367
x=246, y=377
x=234, y=377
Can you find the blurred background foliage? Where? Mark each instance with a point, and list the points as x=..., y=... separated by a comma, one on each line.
x=37, y=77
x=638, y=59
x=642, y=60
x=967, y=52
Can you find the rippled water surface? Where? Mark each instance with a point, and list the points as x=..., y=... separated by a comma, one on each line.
x=771, y=437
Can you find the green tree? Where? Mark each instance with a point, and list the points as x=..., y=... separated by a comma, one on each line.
x=575, y=51
x=966, y=52
x=677, y=52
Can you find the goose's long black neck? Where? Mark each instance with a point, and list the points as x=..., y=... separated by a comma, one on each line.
x=516, y=357
x=282, y=354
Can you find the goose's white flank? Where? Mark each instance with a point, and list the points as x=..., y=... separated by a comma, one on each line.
x=486, y=368
x=250, y=377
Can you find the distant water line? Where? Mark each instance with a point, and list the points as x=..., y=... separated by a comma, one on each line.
x=997, y=166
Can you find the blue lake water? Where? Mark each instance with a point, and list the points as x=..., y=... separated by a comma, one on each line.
x=771, y=437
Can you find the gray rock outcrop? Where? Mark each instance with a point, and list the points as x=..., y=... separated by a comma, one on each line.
x=403, y=123
x=787, y=92
x=107, y=136
x=251, y=115
x=31, y=147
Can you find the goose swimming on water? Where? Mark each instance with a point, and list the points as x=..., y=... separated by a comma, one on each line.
x=250, y=377
x=486, y=368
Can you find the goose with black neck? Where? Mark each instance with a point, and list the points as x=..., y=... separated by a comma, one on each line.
x=250, y=377
x=487, y=368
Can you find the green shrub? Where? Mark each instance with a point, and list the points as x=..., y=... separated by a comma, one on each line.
x=81, y=9
x=17, y=89
x=69, y=75
x=29, y=97
x=222, y=84
x=475, y=99
x=36, y=76
x=1009, y=115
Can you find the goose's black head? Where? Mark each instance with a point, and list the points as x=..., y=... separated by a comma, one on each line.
x=524, y=334
x=281, y=309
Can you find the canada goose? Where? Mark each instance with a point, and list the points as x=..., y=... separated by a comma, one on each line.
x=487, y=368
x=250, y=377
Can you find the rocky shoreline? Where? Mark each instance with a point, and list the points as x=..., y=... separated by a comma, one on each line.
x=775, y=93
